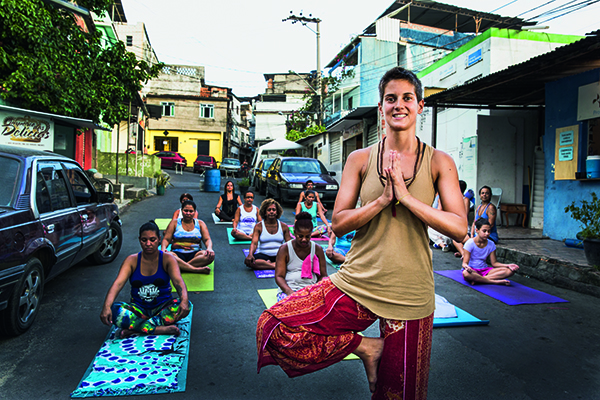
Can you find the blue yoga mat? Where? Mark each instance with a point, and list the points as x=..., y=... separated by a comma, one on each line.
x=261, y=273
x=147, y=364
x=512, y=295
x=463, y=319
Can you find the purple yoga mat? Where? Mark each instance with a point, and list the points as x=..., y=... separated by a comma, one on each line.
x=246, y=252
x=264, y=273
x=512, y=295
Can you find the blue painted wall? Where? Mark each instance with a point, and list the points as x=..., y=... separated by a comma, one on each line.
x=561, y=111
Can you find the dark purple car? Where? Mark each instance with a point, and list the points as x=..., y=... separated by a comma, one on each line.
x=51, y=217
x=287, y=176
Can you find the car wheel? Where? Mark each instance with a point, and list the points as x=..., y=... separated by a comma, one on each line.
x=24, y=303
x=110, y=247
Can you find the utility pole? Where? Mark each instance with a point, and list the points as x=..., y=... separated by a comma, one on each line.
x=305, y=21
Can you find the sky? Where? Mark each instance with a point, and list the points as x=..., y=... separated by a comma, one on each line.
x=239, y=41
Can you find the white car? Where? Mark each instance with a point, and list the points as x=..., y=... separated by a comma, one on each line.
x=230, y=165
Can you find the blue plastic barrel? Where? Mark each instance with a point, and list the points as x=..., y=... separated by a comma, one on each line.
x=592, y=166
x=574, y=243
x=212, y=180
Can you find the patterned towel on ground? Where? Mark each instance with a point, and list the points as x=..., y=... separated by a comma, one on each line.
x=138, y=365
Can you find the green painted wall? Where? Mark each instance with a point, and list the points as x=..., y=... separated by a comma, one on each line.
x=107, y=162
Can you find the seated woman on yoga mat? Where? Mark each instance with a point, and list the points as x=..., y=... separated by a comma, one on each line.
x=185, y=236
x=477, y=250
x=338, y=247
x=246, y=217
x=310, y=185
x=178, y=214
x=228, y=203
x=313, y=208
x=299, y=261
x=152, y=309
x=268, y=236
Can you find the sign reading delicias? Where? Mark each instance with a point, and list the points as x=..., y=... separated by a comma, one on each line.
x=26, y=131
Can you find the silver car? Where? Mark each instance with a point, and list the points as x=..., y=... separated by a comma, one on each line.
x=230, y=166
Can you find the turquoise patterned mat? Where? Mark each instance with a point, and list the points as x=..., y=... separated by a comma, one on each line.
x=138, y=365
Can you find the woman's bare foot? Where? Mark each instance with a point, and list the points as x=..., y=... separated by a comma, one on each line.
x=369, y=351
x=203, y=270
x=500, y=282
x=125, y=333
x=166, y=330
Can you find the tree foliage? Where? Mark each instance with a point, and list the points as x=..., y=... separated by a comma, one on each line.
x=49, y=64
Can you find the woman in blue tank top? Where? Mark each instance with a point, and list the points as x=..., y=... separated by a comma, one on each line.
x=488, y=211
x=152, y=309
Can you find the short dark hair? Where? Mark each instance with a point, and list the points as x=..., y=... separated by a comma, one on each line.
x=306, y=193
x=463, y=186
x=399, y=73
x=188, y=203
x=303, y=221
x=249, y=191
x=485, y=187
x=307, y=182
x=184, y=196
x=150, y=226
x=481, y=222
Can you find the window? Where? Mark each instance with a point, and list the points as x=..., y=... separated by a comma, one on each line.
x=168, y=109
x=51, y=191
x=207, y=110
x=81, y=188
x=129, y=40
x=9, y=180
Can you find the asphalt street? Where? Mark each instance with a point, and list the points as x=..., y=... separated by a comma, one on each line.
x=542, y=352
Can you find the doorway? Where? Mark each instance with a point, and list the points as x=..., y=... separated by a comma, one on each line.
x=166, y=144
x=203, y=148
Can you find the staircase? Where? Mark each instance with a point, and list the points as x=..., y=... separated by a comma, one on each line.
x=537, y=201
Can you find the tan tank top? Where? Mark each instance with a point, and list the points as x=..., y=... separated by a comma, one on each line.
x=388, y=268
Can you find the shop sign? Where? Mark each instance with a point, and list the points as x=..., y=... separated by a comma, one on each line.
x=473, y=58
x=588, y=102
x=26, y=131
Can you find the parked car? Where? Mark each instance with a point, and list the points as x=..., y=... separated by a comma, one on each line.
x=204, y=162
x=231, y=165
x=51, y=217
x=287, y=175
x=260, y=175
x=169, y=158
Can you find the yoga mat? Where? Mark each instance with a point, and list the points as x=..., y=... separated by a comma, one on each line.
x=264, y=273
x=199, y=282
x=512, y=295
x=217, y=220
x=463, y=319
x=162, y=223
x=233, y=240
x=146, y=364
x=269, y=297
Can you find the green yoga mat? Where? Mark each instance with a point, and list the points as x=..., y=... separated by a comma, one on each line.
x=233, y=240
x=162, y=223
x=199, y=282
x=145, y=364
x=269, y=297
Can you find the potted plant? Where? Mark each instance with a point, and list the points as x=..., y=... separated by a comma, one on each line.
x=162, y=180
x=244, y=184
x=588, y=214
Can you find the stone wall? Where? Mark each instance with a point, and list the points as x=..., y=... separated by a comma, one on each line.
x=146, y=165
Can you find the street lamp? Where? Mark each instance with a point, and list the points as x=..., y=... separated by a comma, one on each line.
x=305, y=21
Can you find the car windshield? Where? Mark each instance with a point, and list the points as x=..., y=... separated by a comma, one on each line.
x=303, y=167
x=231, y=161
x=8, y=180
x=267, y=164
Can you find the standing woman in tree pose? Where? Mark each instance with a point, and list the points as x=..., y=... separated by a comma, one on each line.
x=388, y=273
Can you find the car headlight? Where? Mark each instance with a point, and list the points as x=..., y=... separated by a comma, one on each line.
x=331, y=187
x=296, y=186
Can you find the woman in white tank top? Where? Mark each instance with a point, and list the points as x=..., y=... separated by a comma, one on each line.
x=267, y=237
x=246, y=216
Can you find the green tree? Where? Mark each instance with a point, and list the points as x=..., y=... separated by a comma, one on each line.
x=49, y=64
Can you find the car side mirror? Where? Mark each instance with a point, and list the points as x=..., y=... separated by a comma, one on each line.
x=331, y=173
x=106, y=197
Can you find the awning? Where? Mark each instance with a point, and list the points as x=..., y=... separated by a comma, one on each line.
x=74, y=122
x=352, y=118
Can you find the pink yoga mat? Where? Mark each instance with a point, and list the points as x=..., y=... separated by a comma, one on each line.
x=512, y=295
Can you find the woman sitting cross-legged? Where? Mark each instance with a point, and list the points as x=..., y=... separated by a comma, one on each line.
x=299, y=261
x=314, y=209
x=477, y=250
x=185, y=236
x=152, y=309
x=268, y=236
x=228, y=203
x=246, y=217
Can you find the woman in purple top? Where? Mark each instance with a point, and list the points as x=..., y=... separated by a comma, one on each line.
x=477, y=250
